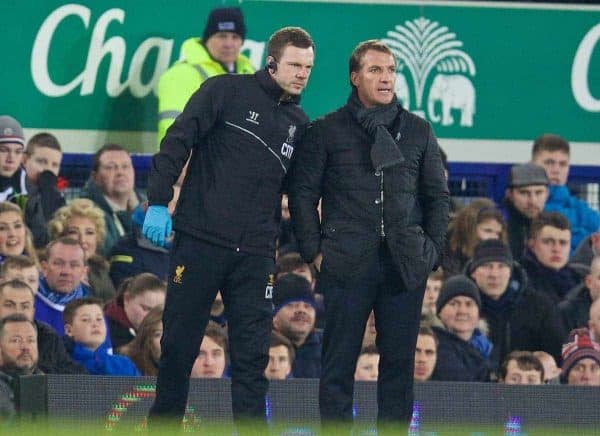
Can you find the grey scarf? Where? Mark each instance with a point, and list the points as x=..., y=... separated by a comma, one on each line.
x=376, y=122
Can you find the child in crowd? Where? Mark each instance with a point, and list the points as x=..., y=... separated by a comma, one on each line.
x=85, y=339
x=432, y=291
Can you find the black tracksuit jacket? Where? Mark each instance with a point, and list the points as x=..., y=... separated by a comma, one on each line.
x=242, y=135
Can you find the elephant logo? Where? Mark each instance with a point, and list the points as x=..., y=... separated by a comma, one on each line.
x=430, y=56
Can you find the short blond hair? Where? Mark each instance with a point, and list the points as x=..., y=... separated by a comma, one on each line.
x=79, y=207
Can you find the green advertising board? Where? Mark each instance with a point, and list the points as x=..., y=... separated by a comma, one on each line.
x=490, y=77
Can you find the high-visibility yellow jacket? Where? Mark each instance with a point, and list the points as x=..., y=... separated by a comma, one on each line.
x=180, y=81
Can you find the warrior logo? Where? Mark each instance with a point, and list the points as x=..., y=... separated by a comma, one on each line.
x=420, y=47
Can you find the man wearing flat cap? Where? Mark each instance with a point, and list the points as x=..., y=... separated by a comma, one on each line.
x=217, y=52
x=525, y=199
x=519, y=317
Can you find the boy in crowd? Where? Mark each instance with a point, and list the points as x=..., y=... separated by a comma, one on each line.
x=85, y=339
x=212, y=358
x=367, y=365
x=425, y=353
x=281, y=357
x=432, y=291
x=521, y=368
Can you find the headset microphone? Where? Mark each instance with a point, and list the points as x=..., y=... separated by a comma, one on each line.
x=272, y=66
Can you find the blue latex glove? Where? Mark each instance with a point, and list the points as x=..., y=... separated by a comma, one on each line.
x=157, y=225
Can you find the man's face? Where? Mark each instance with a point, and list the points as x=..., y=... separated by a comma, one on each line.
x=488, y=229
x=88, y=326
x=367, y=367
x=293, y=69
x=14, y=300
x=556, y=164
x=224, y=47
x=29, y=275
x=295, y=320
x=586, y=372
x=592, y=280
x=425, y=357
x=13, y=234
x=460, y=315
x=18, y=348
x=10, y=158
x=529, y=200
x=137, y=307
x=279, y=366
x=376, y=80
x=115, y=175
x=551, y=247
x=210, y=362
x=432, y=292
x=492, y=278
x=42, y=159
x=518, y=376
x=65, y=268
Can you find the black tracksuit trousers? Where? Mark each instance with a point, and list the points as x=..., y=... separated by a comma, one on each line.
x=397, y=315
x=197, y=271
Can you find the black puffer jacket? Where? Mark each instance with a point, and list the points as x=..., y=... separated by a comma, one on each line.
x=575, y=308
x=334, y=162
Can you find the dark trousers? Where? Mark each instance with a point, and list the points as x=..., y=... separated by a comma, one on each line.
x=198, y=270
x=397, y=315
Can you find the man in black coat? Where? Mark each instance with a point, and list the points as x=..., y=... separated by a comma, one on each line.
x=518, y=317
x=525, y=199
x=240, y=131
x=385, y=206
x=575, y=308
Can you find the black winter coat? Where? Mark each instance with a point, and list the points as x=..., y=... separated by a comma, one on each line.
x=457, y=360
x=575, y=308
x=411, y=209
x=242, y=134
x=517, y=226
x=528, y=322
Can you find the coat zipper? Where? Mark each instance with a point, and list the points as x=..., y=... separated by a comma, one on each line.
x=382, y=226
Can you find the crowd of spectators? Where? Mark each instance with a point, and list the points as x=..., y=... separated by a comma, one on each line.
x=517, y=299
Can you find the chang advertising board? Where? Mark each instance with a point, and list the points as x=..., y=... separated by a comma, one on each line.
x=487, y=82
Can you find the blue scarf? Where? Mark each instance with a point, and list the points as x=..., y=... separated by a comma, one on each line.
x=481, y=343
x=59, y=298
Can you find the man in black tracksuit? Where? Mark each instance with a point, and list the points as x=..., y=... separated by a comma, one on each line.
x=242, y=130
x=385, y=208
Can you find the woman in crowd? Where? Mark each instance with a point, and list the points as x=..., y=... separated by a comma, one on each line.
x=82, y=220
x=144, y=350
x=136, y=297
x=478, y=221
x=15, y=237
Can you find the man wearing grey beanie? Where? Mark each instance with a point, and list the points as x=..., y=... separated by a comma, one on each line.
x=12, y=145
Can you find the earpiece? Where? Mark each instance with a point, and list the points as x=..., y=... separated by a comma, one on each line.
x=272, y=65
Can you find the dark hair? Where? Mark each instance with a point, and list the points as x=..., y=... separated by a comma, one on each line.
x=425, y=330
x=16, y=284
x=277, y=339
x=102, y=150
x=73, y=305
x=369, y=349
x=294, y=36
x=290, y=262
x=140, y=284
x=356, y=58
x=217, y=334
x=43, y=139
x=552, y=219
x=549, y=142
x=525, y=360
x=139, y=350
x=14, y=318
x=18, y=262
